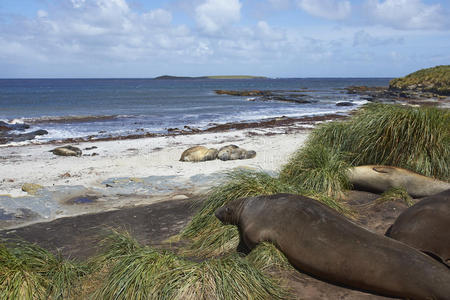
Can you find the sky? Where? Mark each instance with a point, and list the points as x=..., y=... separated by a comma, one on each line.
x=274, y=38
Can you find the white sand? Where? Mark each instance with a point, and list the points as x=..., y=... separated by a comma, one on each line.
x=137, y=158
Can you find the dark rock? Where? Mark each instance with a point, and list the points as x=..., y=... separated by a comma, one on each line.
x=6, y=126
x=8, y=138
x=344, y=103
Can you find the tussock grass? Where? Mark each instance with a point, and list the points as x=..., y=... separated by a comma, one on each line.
x=396, y=194
x=207, y=234
x=414, y=138
x=267, y=257
x=146, y=273
x=318, y=168
x=28, y=271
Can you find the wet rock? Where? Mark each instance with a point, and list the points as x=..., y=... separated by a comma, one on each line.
x=344, y=103
x=6, y=137
x=6, y=126
x=31, y=188
x=67, y=151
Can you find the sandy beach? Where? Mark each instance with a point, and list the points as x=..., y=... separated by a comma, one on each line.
x=137, y=158
x=121, y=173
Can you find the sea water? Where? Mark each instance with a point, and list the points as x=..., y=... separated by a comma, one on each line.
x=78, y=108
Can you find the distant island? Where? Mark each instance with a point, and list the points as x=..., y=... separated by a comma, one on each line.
x=435, y=80
x=169, y=77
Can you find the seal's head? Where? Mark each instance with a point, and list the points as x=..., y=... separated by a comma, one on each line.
x=229, y=213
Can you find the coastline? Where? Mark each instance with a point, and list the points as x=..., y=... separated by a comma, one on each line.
x=131, y=172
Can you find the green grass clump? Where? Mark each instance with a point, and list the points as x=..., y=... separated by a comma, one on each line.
x=267, y=257
x=317, y=168
x=141, y=272
x=396, y=194
x=436, y=79
x=28, y=271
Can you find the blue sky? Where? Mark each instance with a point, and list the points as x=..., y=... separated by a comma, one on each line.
x=275, y=38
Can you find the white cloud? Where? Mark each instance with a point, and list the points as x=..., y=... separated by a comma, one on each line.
x=363, y=38
x=214, y=15
x=328, y=9
x=406, y=14
x=42, y=13
x=266, y=32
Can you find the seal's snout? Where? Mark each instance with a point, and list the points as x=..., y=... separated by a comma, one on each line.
x=219, y=213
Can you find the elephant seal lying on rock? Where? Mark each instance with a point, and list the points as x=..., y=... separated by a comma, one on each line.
x=67, y=151
x=378, y=179
x=199, y=153
x=320, y=241
x=232, y=152
x=425, y=226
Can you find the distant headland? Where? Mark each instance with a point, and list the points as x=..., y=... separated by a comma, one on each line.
x=435, y=80
x=169, y=77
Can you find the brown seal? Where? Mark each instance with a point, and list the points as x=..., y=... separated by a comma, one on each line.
x=233, y=152
x=199, y=153
x=320, y=241
x=425, y=226
x=67, y=151
x=378, y=179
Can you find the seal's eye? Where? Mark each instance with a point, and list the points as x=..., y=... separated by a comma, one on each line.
x=228, y=210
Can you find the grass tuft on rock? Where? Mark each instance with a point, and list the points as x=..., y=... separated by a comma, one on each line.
x=145, y=273
x=28, y=271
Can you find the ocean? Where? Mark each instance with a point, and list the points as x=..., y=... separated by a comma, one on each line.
x=78, y=108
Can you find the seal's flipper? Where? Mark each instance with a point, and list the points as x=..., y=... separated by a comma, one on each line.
x=242, y=247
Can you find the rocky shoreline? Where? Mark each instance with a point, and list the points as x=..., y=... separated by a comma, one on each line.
x=284, y=124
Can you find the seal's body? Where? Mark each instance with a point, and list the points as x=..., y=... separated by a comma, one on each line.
x=233, y=152
x=199, y=153
x=67, y=151
x=425, y=226
x=319, y=241
x=378, y=179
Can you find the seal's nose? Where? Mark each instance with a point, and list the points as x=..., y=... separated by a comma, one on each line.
x=219, y=213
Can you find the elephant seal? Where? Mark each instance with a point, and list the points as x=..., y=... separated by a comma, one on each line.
x=378, y=179
x=320, y=241
x=233, y=152
x=67, y=151
x=425, y=226
x=199, y=153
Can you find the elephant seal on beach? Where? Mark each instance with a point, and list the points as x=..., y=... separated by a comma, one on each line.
x=425, y=226
x=199, y=153
x=378, y=179
x=67, y=151
x=318, y=240
x=233, y=152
